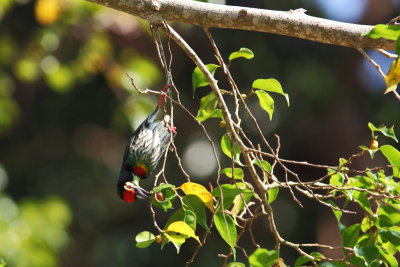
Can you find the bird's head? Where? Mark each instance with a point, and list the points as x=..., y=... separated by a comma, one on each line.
x=128, y=189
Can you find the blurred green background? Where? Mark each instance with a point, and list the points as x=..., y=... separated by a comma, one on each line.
x=67, y=109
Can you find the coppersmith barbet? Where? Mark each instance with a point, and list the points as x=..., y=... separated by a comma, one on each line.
x=143, y=152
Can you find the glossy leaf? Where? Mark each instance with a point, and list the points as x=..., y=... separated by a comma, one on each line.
x=263, y=164
x=350, y=235
x=240, y=200
x=390, y=259
x=183, y=228
x=199, y=191
x=199, y=79
x=226, y=146
x=186, y=215
x=392, y=235
x=369, y=254
x=175, y=239
x=229, y=190
x=169, y=194
x=272, y=194
x=262, y=257
x=392, y=78
x=242, y=53
x=333, y=264
x=226, y=228
x=208, y=108
x=270, y=85
x=236, y=173
x=389, y=132
x=196, y=205
x=391, y=32
x=144, y=239
x=266, y=102
x=362, y=199
x=393, y=156
x=303, y=259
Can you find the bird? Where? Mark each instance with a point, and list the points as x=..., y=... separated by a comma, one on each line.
x=143, y=152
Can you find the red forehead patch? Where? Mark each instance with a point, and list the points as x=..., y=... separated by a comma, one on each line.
x=129, y=196
x=139, y=170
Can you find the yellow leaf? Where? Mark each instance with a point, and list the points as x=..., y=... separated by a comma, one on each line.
x=200, y=191
x=182, y=228
x=392, y=77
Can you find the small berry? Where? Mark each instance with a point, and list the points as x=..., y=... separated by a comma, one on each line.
x=374, y=144
x=222, y=124
x=158, y=239
x=159, y=196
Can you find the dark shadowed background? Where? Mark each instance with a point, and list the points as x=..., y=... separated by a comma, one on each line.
x=67, y=110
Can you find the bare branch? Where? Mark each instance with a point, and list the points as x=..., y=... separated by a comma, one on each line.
x=291, y=23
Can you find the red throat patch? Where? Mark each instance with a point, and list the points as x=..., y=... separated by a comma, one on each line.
x=129, y=196
x=140, y=171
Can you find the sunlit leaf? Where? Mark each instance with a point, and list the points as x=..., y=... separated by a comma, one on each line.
x=176, y=239
x=303, y=259
x=199, y=191
x=392, y=235
x=242, y=53
x=199, y=79
x=272, y=194
x=236, y=173
x=169, y=196
x=3, y=263
x=333, y=264
x=226, y=228
x=262, y=257
x=392, y=78
x=186, y=215
x=390, y=259
x=389, y=132
x=270, y=85
x=240, y=200
x=393, y=156
x=263, y=164
x=369, y=254
x=362, y=199
x=350, y=235
x=391, y=32
x=229, y=149
x=229, y=190
x=196, y=205
x=144, y=239
x=207, y=109
x=266, y=102
x=182, y=228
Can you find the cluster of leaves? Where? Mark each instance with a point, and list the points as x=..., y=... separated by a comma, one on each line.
x=260, y=87
x=376, y=239
x=391, y=32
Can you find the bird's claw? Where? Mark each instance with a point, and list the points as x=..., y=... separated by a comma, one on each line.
x=172, y=129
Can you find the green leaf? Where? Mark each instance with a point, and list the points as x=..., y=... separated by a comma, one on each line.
x=243, y=52
x=207, y=109
x=393, y=156
x=176, y=239
x=266, y=102
x=169, y=193
x=199, y=79
x=144, y=239
x=390, y=259
x=350, y=235
x=262, y=257
x=389, y=132
x=240, y=200
x=363, y=201
x=263, y=164
x=237, y=173
x=369, y=254
x=226, y=145
x=2, y=263
x=303, y=259
x=392, y=235
x=370, y=151
x=272, y=194
x=236, y=264
x=391, y=32
x=196, y=205
x=391, y=214
x=226, y=228
x=229, y=190
x=398, y=46
x=270, y=85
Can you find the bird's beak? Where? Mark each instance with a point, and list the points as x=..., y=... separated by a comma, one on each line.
x=140, y=192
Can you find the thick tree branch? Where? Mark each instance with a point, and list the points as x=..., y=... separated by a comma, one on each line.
x=291, y=23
